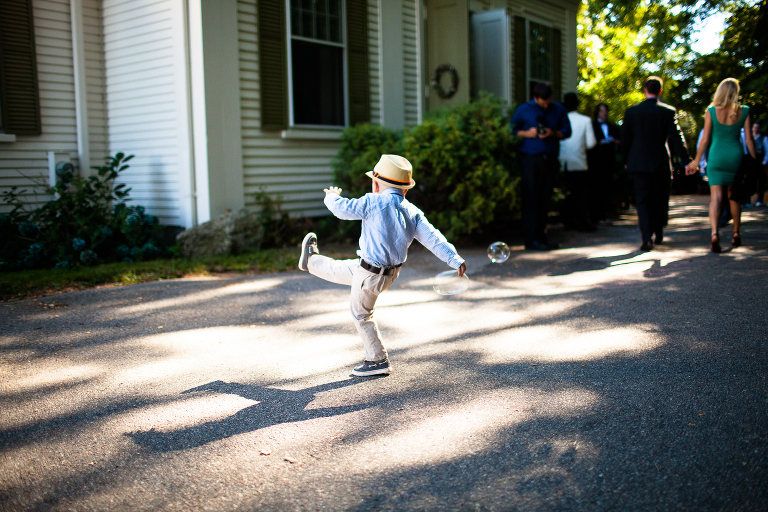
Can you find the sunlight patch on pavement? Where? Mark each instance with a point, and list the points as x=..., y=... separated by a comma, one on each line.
x=49, y=373
x=50, y=386
x=183, y=413
x=557, y=344
x=273, y=352
x=254, y=286
x=467, y=428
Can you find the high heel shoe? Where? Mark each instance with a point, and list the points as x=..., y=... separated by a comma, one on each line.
x=715, y=245
x=736, y=240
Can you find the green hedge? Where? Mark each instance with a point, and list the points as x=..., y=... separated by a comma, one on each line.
x=463, y=165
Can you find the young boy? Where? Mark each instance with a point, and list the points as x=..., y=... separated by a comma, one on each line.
x=390, y=223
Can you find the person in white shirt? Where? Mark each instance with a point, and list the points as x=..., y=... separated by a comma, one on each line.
x=573, y=162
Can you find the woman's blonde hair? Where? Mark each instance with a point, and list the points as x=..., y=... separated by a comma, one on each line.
x=727, y=95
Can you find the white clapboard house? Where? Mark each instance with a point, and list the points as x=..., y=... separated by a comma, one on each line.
x=218, y=99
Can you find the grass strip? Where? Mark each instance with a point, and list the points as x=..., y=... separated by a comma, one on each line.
x=37, y=283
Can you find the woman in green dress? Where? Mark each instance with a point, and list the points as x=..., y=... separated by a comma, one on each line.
x=723, y=122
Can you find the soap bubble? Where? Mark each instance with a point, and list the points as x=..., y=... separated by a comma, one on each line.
x=498, y=252
x=449, y=282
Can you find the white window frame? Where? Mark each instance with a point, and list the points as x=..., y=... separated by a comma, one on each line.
x=289, y=65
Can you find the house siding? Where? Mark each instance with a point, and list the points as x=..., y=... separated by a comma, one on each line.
x=295, y=169
x=141, y=112
x=24, y=163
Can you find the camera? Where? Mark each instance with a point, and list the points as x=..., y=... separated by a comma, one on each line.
x=541, y=129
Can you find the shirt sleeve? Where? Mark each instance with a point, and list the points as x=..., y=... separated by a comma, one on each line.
x=765, y=149
x=347, y=209
x=434, y=240
x=518, y=120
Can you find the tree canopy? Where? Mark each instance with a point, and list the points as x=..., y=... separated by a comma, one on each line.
x=622, y=42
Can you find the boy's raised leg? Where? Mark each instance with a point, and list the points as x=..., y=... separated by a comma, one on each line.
x=335, y=271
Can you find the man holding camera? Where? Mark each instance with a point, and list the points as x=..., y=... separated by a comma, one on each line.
x=542, y=123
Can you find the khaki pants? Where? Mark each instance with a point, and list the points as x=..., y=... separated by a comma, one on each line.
x=366, y=287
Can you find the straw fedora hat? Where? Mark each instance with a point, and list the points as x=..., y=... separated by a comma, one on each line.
x=394, y=171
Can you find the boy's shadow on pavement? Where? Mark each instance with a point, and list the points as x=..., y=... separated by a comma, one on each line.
x=275, y=406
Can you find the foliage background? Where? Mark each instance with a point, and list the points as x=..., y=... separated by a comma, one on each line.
x=622, y=42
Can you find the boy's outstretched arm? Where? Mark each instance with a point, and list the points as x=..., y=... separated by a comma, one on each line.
x=431, y=238
x=343, y=208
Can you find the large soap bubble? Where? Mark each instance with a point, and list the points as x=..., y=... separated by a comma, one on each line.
x=498, y=252
x=449, y=282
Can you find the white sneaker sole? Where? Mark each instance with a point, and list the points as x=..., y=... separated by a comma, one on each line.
x=304, y=243
x=383, y=371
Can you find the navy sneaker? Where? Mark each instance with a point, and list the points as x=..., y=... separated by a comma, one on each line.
x=370, y=368
x=308, y=248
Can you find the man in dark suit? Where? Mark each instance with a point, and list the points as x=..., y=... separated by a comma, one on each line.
x=602, y=161
x=650, y=131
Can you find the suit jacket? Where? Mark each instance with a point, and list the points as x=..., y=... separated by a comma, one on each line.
x=613, y=131
x=602, y=157
x=650, y=135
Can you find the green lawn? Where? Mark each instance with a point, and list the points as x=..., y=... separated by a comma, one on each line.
x=36, y=283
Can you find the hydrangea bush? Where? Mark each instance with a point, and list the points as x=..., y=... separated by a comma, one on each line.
x=87, y=222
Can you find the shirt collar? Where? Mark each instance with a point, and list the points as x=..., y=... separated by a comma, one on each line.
x=549, y=107
x=394, y=191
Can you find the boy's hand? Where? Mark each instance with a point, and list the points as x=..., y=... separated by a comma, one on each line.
x=462, y=269
x=332, y=190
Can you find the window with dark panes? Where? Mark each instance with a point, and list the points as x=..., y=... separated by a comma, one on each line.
x=317, y=62
x=539, y=55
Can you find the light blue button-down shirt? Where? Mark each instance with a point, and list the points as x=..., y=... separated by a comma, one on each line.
x=390, y=223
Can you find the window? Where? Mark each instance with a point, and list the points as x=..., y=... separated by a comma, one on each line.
x=317, y=55
x=313, y=63
x=539, y=56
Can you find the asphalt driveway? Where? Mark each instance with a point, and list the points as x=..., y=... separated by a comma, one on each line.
x=589, y=378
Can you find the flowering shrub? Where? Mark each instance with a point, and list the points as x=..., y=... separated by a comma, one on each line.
x=87, y=222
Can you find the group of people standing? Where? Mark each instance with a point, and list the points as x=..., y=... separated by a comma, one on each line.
x=556, y=137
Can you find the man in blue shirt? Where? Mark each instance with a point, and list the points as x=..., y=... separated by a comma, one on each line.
x=542, y=123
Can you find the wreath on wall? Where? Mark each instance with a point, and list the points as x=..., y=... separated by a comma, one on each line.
x=438, y=74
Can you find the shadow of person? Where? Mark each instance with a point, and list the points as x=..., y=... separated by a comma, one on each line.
x=275, y=406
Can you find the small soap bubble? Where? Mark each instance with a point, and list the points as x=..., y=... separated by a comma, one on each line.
x=449, y=282
x=498, y=252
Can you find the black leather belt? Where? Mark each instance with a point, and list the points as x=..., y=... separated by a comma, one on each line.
x=386, y=271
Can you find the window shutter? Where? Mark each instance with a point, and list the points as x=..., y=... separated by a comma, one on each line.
x=19, y=96
x=521, y=54
x=272, y=65
x=557, y=66
x=357, y=62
